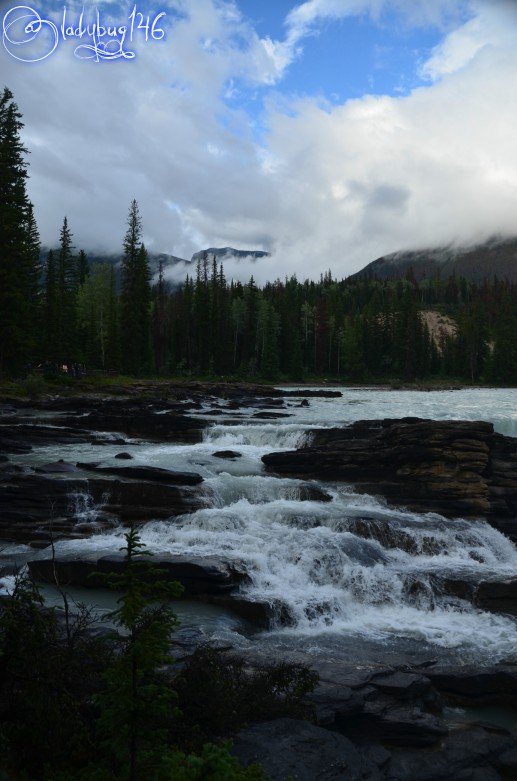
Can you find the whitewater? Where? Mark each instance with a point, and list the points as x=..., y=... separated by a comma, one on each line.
x=341, y=589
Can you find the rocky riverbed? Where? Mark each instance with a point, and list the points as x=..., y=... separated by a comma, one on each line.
x=374, y=547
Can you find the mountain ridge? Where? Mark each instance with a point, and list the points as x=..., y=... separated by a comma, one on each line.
x=496, y=257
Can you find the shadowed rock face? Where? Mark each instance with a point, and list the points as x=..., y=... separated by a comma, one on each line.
x=29, y=502
x=456, y=468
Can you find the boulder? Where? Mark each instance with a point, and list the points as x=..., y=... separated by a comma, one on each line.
x=123, y=456
x=227, y=454
x=497, y=595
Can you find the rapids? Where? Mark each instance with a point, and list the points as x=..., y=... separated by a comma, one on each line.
x=351, y=572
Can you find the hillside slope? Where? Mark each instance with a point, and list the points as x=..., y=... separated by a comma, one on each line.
x=474, y=263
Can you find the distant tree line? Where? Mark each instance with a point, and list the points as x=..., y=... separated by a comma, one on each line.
x=355, y=329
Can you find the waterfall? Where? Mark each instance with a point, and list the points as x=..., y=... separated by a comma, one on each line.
x=340, y=564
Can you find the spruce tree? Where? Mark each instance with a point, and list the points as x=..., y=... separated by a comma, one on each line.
x=135, y=300
x=83, y=269
x=18, y=241
x=50, y=316
x=66, y=296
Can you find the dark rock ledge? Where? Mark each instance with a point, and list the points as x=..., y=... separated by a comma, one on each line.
x=455, y=468
x=35, y=507
x=386, y=724
x=198, y=575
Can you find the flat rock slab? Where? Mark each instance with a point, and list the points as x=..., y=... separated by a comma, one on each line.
x=152, y=473
x=472, y=754
x=477, y=686
x=166, y=427
x=197, y=575
x=288, y=748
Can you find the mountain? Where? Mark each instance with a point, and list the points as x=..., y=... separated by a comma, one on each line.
x=494, y=257
x=229, y=253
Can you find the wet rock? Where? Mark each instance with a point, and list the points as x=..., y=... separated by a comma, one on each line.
x=497, y=595
x=287, y=748
x=262, y=614
x=403, y=686
x=31, y=502
x=57, y=467
x=314, y=394
x=198, y=575
x=167, y=427
x=381, y=719
x=152, y=473
x=227, y=454
x=138, y=500
x=465, y=755
x=271, y=415
x=124, y=456
x=304, y=403
x=311, y=493
x=23, y=437
x=472, y=685
x=456, y=468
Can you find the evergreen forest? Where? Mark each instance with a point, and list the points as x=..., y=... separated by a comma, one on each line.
x=60, y=310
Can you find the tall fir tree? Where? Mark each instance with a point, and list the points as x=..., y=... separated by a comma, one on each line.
x=83, y=268
x=18, y=240
x=135, y=299
x=50, y=312
x=66, y=296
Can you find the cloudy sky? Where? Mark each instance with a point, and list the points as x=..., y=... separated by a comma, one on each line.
x=328, y=132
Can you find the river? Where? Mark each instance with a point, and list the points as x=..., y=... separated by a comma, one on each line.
x=345, y=595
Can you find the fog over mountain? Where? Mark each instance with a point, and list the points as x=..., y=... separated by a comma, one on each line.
x=493, y=258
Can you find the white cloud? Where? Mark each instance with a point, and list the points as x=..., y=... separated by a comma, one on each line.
x=493, y=25
x=330, y=186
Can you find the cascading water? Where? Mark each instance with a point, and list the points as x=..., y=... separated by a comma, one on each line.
x=347, y=565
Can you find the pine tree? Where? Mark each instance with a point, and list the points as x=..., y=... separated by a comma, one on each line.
x=135, y=300
x=18, y=240
x=137, y=706
x=112, y=340
x=51, y=319
x=66, y=296
x=83, y=269
x=160, y=323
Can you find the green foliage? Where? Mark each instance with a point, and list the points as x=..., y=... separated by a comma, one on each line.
x=353, y=329
x=217, y=695
x=46, y=681
x=78, y=707
x=19, y=247
x=137, y=704
x=135, y=299
x=33, y=386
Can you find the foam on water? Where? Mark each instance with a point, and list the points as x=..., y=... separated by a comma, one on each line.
x=347, y=567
